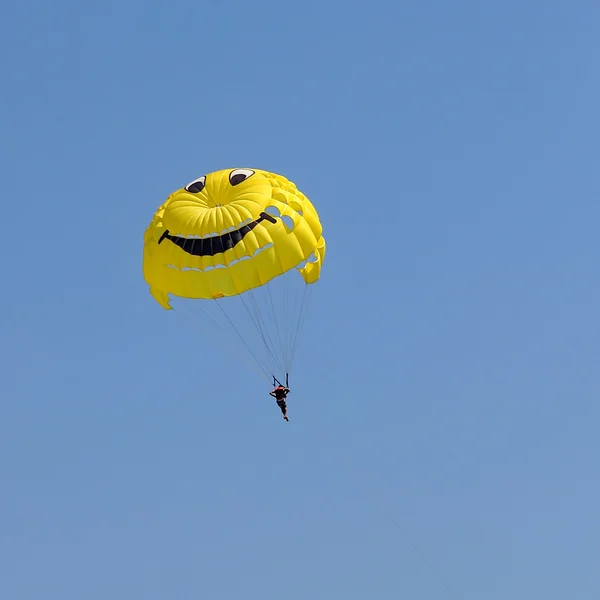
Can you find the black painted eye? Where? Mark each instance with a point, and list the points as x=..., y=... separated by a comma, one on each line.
x=239, y=175
x=197, y=185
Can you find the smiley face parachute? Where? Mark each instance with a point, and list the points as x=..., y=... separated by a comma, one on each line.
x=238, y=250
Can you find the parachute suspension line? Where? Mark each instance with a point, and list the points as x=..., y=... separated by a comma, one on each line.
x=183, y=308
x=264, y=329
x=265, y=333
x=255, y=318
x=286, y=309
x=281, y=317
x=256, y=362
x=304, y=302
x=280, y=340
x=254, y=322
x=288, y=314
x=291, y=304
x=265, y=371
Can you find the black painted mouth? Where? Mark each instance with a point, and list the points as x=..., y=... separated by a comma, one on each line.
x=217, y=244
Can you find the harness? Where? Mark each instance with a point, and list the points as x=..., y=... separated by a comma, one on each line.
x=277, y=382
x=280, y=395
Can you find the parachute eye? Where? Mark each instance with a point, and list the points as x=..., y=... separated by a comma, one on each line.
x=197, y=185
x=239, y=175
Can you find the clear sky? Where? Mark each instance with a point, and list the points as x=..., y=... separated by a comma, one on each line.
x=446, y=391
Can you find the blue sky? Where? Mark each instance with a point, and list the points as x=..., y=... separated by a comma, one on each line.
x=445, y=394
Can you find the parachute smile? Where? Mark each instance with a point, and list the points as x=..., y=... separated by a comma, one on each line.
x=211, y=245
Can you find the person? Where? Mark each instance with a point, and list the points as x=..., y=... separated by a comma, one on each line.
x=280, y=393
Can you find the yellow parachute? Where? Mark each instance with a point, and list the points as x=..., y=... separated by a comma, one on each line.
x=236, y=234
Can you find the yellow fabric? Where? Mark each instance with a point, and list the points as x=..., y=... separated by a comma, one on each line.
x=223, y=205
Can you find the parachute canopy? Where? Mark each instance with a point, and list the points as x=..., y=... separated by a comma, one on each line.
x=228, y=234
